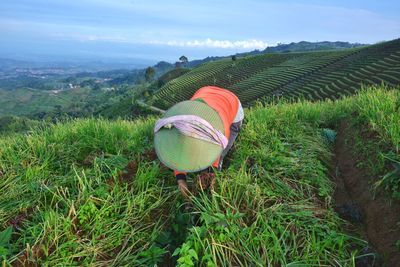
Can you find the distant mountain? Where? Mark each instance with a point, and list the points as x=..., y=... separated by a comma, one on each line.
x=304, y=46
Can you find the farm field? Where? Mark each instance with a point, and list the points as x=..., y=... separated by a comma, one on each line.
x=26, y=101
x=307, y=75
x=39, y=104
x=91, y=192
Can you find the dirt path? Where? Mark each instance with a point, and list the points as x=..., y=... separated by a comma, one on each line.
x=354, y=201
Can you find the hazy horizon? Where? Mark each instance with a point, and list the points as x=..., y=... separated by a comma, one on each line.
x=145, y=33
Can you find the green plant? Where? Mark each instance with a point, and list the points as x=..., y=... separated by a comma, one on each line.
x=391, y=180
x=187, y=255
x=152, y=256
x=5, y=237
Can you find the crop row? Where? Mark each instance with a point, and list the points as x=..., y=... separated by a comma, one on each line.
x=313, y=75
x=347, y=76
x=223, y=75
x=272, y=82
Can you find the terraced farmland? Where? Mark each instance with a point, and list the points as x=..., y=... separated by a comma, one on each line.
x=310, y=75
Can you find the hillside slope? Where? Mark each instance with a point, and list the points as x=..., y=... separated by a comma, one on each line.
x=309, y=75
x=283, y=48
x=91, y=192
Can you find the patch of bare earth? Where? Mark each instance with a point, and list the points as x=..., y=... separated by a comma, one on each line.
x=377, y=217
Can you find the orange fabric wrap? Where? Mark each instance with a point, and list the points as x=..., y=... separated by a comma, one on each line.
x=224, y=102
x=221, y=100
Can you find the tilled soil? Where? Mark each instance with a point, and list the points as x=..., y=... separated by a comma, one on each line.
x=378, y=216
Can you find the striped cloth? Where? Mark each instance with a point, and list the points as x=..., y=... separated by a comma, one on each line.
x=193, y=126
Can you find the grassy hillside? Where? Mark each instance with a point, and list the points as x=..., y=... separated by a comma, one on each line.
x=309, y=75
x=91, y=192
x=282, y=48
x=76, y=102
x=170, y=75
x=11, y=124
x=126, y=108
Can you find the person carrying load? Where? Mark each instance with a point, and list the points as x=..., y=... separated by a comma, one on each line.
x=196, y=134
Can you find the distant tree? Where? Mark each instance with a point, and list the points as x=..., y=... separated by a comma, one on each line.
x=97, y=86
x=233, y=58
x=70, y=80
x=183, y=59
x=88, y=83
x=58, y=108
x=150, y=73
x=163, y=66
x=5, y=122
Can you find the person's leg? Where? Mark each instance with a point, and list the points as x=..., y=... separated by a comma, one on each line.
x=235, y=129
x=207, y=178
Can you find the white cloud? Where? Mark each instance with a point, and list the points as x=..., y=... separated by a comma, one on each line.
x=209, y=43
x=206, y=43
x=93, y=37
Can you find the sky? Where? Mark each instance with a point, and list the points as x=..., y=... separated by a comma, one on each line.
x=150, y=31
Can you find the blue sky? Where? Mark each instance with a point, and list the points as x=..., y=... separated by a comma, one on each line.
x=150, y=31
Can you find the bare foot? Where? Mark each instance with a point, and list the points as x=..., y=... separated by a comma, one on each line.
x=184, y=188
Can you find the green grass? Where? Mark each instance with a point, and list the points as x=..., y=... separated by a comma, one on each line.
x=382, y=113
x=65, y=179
x=62, y=192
